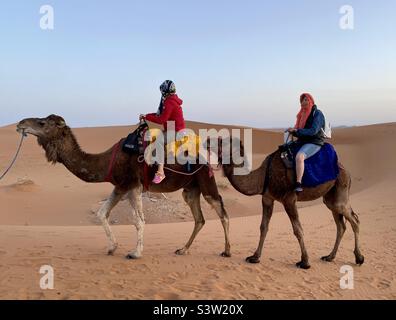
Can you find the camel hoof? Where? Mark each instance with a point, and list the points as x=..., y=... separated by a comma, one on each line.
x=111, y=251
x=132, y=256
x=180, y=252
x=327, y=258
x=303, y=265
x=225, y=254
x=360, y=260
x=253, y=259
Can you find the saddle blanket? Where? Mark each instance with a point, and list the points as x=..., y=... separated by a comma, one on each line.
x=321, y=167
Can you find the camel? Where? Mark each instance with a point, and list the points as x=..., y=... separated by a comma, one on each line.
x=60, y=145
x=280, y=187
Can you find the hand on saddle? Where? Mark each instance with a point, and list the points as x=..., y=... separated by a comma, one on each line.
x=291, y=130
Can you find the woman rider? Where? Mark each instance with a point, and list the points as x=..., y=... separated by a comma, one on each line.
x=169, y=110
x=309, y=133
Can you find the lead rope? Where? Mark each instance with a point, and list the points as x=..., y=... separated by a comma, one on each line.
x=184, y=173
x=23, y=135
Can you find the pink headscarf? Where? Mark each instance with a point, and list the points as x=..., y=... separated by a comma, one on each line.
x=304, y=113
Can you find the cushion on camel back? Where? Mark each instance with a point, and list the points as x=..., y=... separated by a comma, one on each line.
x=321, y=167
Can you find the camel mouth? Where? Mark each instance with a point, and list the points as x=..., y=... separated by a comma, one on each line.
x=26, y=130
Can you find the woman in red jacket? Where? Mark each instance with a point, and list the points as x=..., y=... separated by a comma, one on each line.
x=169, y=110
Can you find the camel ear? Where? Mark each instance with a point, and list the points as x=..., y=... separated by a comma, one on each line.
x=61, y=124
x=57, y=120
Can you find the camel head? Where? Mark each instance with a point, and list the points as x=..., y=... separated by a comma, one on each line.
x=225, y=148
x=46, y=128
x=50, y=132
x=230, y=152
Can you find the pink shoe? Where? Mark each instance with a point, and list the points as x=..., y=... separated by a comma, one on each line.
x=158, y=178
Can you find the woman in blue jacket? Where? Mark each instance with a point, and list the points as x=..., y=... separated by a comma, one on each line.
x=308, y=130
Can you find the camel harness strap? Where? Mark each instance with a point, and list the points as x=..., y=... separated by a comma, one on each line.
x=23, y=135
x=184, y=173
x=267, y=172
x=109, y=175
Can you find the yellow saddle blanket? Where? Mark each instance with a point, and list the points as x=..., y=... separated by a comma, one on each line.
x=185, y=141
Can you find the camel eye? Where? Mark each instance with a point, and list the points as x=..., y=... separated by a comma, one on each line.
x=41, y=123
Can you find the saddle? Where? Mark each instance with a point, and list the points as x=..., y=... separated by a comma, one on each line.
x=320, y=168
x=287, y=155
x=134, y=142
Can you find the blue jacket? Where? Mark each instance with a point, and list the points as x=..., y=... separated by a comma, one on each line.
x=312, y=132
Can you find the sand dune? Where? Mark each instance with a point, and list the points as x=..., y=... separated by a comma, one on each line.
x=46, y=217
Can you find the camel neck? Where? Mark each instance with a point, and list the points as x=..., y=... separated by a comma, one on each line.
x=248, y=184
x=87, y=167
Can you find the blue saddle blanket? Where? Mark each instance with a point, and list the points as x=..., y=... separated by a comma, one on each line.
x=321, y=167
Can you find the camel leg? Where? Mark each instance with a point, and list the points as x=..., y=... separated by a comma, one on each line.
x=135, y=199
x=338, y=200
x=104, y=213
x=268, y=207
x=192, y=198
x=353, y=219
x=341, y=227
x=291, y=209
x=218, y=206
x=329, y=201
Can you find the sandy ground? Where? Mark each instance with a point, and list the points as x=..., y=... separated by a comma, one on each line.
x=46, y=217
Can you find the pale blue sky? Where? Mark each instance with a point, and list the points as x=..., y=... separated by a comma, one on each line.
x=234, y=62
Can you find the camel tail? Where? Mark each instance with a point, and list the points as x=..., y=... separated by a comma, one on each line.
x=350, y=184
x=355, y=216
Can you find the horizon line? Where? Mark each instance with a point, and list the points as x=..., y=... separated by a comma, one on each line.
x=218, y=124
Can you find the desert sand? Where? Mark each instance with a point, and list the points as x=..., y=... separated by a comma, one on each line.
x=47, y=218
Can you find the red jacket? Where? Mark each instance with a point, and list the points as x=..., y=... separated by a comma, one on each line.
x=172, y=112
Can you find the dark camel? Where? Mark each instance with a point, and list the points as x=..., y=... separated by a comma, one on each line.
x=61, y=146
x=280, y=188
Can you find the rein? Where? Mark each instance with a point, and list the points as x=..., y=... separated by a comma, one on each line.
x=109, y=175
x=23, y=135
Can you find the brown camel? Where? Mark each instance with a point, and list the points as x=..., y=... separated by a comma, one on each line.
x=280, y=183
x=61, y=146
